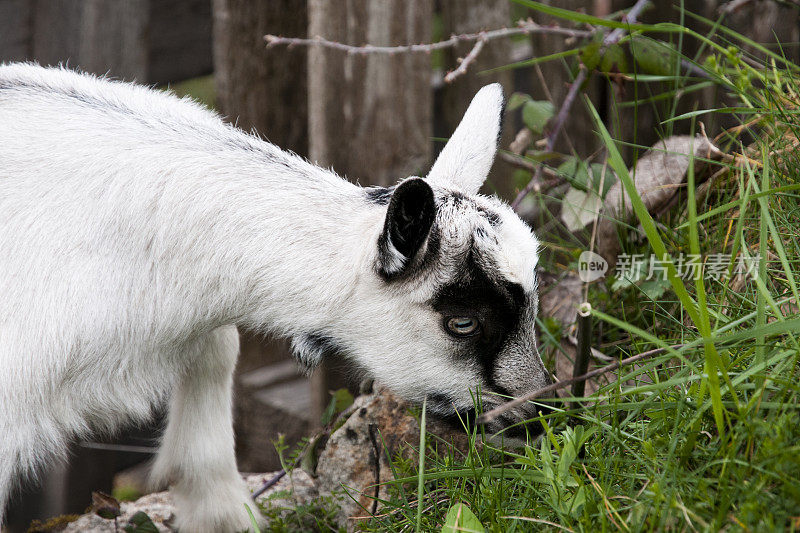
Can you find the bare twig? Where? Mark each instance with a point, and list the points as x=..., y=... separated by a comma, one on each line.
x=494, y=413
x=269, y=483
x=630, y=18
x=467, y=61
x=569, y=99
x=524, y=27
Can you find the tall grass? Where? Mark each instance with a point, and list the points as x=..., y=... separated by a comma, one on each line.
x=704, y=437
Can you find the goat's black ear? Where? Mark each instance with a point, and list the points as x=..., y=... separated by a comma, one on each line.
x=408, y=221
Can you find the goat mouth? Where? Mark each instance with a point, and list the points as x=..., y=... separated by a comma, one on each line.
x=508, y=425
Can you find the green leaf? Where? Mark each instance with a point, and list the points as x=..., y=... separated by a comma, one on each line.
x=587, y=177
x=590, y=54
x=517, y=100
x=614, y=60
x=576, y=172
x=598, y=179
x=654, y=57
x=536, y=113
x=253, y=520
x=341, y=399
x=460, y=519
x=655, y=288
x=520, y=178
x=141, y=523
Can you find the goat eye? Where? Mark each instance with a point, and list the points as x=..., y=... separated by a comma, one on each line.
x=462, y=326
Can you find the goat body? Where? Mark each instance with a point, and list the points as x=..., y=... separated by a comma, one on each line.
x=138, y=230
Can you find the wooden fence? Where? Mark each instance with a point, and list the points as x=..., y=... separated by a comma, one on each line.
x=151, y=41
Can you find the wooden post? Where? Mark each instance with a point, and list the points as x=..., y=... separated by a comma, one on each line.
x=16, y=17
x=470, y=16
x=262, y=89
x=151, y=41
x=369, y=115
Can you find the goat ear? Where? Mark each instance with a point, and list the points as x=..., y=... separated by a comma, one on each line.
x=408, y=221
x=467, y=157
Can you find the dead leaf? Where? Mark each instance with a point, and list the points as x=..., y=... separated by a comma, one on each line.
x=579, y=208
x=105, y=506
x=559, y=298
x=659, y=175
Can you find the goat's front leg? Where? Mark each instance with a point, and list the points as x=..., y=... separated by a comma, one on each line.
x=197, y=451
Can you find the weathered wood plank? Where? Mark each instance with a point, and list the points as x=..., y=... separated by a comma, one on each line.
x=469, y=16
x=151, y=41
x=370, y=115
x=180, y=40
x=256, y=87
x=15, y=30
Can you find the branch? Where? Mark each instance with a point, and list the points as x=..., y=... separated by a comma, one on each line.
x=494, y=413
x=467, y=61
x=552, y=136
x=523, y=28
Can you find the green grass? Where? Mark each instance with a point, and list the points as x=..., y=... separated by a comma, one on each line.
x=707, y=437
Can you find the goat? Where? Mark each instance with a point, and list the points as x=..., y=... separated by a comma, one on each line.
x=138, y=231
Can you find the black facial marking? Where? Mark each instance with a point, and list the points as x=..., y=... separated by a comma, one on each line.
x=311, y=349
x=379, y=195
x=443, y=407
x=409, y=218
x=497, y=303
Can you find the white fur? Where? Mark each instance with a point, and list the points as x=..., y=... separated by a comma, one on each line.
x=467, y=158
x=136, y=230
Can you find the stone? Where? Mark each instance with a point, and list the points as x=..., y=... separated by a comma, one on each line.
x=355, y=460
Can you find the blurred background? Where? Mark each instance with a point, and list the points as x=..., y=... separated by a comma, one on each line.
x=374, y=118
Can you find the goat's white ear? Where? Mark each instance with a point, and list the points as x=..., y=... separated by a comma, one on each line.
x=467, y=157
x=409, y=218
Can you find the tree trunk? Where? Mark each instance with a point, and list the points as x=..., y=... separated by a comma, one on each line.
x=150, y=41
x=258, y=87
x=369, y=115
x=470, y=16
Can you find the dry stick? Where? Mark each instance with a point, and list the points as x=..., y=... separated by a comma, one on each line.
x=468, y=59
x=569, y=99
x=494, y=413
x=480, y=38
x=523, y=28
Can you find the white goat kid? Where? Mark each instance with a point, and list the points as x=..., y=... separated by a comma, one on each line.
x=137, y=230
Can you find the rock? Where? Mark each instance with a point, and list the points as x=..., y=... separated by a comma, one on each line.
x=355, y=459
x=158, y=506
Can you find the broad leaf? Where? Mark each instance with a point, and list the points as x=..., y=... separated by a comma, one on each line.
x=460, y=519
x=536, y=113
